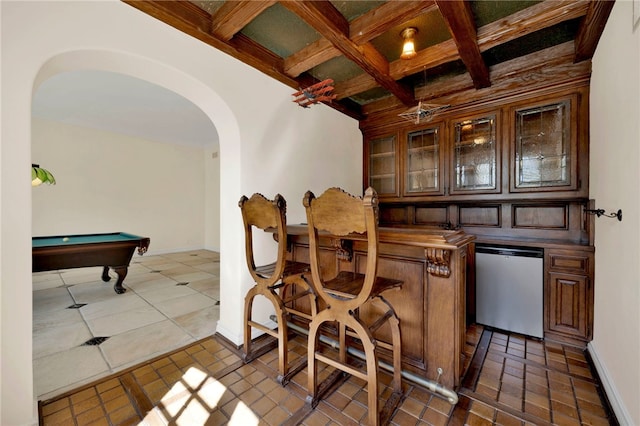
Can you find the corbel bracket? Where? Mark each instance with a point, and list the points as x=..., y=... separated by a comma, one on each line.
x=438, y=262
x=344, y=249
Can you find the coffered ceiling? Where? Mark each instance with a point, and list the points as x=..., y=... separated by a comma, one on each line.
x=464, y=47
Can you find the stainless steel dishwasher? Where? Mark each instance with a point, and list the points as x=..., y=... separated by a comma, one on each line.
x=509, y=284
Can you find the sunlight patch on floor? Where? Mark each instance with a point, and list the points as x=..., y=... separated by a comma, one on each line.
x=192, y=399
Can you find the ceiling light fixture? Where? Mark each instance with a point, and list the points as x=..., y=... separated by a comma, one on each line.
x=422, y=113
x=409, y=44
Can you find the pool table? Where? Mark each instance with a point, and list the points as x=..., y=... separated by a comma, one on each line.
x=113, y=250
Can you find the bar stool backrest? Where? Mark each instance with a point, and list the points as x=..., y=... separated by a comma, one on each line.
x=260, y=213
x=344, y=215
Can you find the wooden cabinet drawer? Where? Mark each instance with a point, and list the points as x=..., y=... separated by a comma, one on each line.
x=575, y=262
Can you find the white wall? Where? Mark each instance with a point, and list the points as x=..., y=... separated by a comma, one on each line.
x=109, y=182
x=267, y=145
x=614, y=182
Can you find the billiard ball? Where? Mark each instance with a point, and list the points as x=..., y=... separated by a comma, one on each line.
x=65, y=239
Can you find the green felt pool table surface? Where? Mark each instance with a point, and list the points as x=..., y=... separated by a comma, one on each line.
x=109, y=250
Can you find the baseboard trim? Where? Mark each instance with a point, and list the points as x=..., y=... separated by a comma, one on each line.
x=228, y=334
x=617, y=404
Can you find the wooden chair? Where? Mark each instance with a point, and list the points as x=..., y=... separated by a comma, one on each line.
x=348, y=217
x=273, y=280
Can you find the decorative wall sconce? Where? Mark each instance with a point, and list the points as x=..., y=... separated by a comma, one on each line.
x=40, y=176
x=601, y=212
x=409, y=45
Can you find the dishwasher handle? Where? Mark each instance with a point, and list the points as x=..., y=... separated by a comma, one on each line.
x=511, y=251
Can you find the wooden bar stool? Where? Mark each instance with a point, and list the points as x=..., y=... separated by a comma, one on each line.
x=348, y=217
x=273, y=280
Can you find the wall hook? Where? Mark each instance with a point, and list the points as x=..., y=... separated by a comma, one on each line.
x=600, y=212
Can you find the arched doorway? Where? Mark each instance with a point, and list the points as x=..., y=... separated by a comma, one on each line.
x=211, y=105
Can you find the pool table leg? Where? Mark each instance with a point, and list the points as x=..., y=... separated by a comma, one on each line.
x=122, y=273
x=105, y=274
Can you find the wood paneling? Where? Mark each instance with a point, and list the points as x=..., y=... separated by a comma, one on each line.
x=434, y=216
x=431, y=304
x=540, y=217
x=479, y=216
x=394, y=215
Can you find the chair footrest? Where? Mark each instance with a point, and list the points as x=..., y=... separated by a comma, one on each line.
x=381, y=320
x=261, y=327
x=260, y=347
x=328, y=385
x=342, y=366
x=390, y=406
x=293, y=370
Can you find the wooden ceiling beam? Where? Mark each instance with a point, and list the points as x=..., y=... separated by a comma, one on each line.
x=308, y=57
x=591, y=28
x=232, y=16
x=534, y=18
x=190, y=19
x=381, y=19
x=361, y=30
x=537, y=17
x=329, y=22
x=548, y=66
x=458, y=16
x=426, y=58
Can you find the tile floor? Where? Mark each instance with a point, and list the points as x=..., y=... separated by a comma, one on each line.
x=171, y=301
x=189, y=377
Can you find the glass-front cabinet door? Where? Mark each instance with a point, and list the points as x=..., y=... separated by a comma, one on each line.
x=475, y=159
x=383, y=164
x=423, y=162
x=545, y=152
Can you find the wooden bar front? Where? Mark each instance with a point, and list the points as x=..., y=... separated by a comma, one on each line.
x=431, y=304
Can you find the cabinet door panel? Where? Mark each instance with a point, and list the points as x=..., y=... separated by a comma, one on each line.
x=382, y=165
x=475, y=160
x=545, y=147
x=568, y=304
x=423, y=162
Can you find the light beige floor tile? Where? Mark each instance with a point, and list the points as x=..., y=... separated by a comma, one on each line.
x=111, y=325
x=193, y=308
x=46, y=280
x=63, y=337
x=56, y=371
x=192, y=276
x=93, y=291
x=144, y=343
x=116, y=304
x=209, y=287
x=195, y=260
x=156, y=295
x=201, y=323
x=180, y=270
x=81, y=275
x=212, y=268
x=51, y=299
x=150, y=260
x=45, y=320
x=184, y=305
x=133, y=269
x=168, y=265
x=155, y=282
